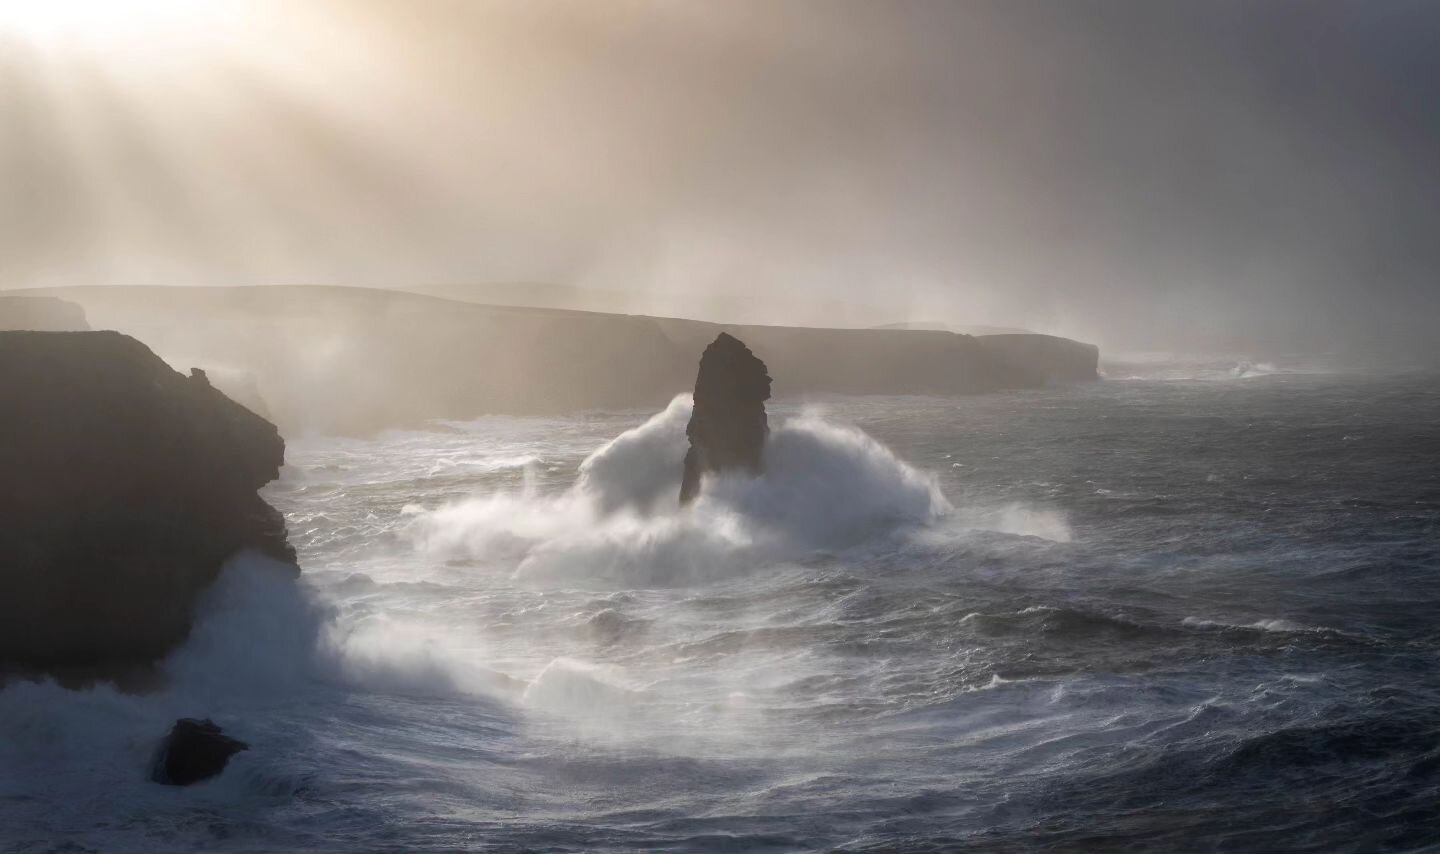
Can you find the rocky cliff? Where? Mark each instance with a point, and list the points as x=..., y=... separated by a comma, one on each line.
x=42, y=314
x=124, y=486
x=358, y=360
x=1047, y=357
x=728, y=427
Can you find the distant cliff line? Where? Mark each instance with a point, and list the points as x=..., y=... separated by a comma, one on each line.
x=355, y=360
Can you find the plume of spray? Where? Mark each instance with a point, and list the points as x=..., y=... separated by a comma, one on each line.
x=826, y=487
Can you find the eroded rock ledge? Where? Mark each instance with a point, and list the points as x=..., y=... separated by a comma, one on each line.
x=124, y=487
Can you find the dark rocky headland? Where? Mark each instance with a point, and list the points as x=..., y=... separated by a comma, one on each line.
x=126, y=486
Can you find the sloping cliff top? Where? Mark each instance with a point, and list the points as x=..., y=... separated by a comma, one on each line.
x=356, y=360
x=38, y=313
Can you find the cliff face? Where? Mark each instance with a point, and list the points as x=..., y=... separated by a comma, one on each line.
x=124, y=486
x=866, y=361
x=357, y=360
x=43, y=314
x=1051, y=359
x=728, y=427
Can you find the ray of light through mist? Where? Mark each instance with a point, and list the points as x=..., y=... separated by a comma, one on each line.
x=1141, y=174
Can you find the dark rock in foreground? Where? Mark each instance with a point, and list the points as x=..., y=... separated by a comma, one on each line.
x=194, y=750
x=124, y=487
x=728, y=426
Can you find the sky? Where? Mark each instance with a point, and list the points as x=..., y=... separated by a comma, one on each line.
x=1151, y=175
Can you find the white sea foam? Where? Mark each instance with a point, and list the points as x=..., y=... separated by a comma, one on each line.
x=826, y=486
x=1022, y=520
x=1272, y=625
x=404, y=698
x=1248, y=370
x=640, y=469
x=258, y=631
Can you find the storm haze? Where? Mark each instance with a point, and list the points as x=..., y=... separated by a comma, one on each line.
x=683, y=425
x=1145, y=175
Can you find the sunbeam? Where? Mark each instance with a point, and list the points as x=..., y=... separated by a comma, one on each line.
x=819, y=425
x=128, y=23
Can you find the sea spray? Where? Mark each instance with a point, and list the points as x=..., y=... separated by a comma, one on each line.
x=840, y=697
x=640, y=469
x=826, y=486
x=259, y=632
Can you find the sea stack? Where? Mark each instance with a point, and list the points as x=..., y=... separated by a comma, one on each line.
x=124, y=488
x=728, y=426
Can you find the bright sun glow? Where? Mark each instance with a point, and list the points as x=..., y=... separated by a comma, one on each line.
x=110, y=22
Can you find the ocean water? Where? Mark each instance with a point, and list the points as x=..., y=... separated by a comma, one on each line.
x=1187, y=608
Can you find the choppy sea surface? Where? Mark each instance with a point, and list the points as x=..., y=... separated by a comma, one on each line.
x=1186, y=608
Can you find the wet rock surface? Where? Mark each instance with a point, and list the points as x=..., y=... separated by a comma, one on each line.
x=195, y=750
x=728, y=426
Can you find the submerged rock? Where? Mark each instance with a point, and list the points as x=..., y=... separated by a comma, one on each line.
x=194, y=750
x=728, y=426
x=124, y=487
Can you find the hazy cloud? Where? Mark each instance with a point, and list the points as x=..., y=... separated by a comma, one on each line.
x=1147, y=174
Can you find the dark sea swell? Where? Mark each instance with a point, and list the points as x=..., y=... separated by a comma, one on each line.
x=1183, y=612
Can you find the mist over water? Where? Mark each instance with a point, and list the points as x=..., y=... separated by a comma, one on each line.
x=978, y=624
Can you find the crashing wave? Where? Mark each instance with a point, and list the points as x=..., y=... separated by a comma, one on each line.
x=826, y=486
